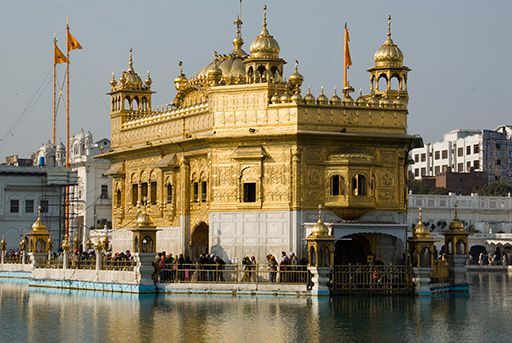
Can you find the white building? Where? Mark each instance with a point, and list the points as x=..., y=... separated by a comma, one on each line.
x=22, y=191
x=490, y=216
x=91, y=207
x=461, y=151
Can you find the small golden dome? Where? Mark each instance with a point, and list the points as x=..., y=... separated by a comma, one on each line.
x=275, y=98
x=296, y=78
x=180, y=82
x=130, y=78
x=421, y=231
x=320, y=229
x=296, y=97
x=214, y=73
x=456, y=224
x=3, y=243
x=322, y=99
x=143, y=219
x=65, y=244
x=309, y=98
x=335, y=99
x=265, y=46
x=38, y=225
x=389, y=54
x=285, y=98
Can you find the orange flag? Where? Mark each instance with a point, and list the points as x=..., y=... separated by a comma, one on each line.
x=72, y=42
x=58, y=55
x=348, y=60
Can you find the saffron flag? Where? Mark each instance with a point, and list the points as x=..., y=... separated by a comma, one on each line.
x=72, y=42
x=348, y=60
x=58, y=55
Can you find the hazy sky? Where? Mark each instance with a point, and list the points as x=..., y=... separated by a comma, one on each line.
x=459, y=52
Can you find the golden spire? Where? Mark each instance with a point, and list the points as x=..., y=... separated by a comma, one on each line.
x=264, y=30
x=38, y=224
x=456, y=224
x=238, y=41
x=389, y=26
x=130, y=61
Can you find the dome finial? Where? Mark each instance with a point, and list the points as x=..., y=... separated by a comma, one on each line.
x=181, y=67
x=238, y=41
x=265, y=18
x=130, y=60
x=455, y=215
x=319, y=213
x=389, y=26
x=420, y=215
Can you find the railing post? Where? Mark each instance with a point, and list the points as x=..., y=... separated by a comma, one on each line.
x=65, y=261
x=98, y=259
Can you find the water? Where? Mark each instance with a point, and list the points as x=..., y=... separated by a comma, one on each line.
x=43, y=315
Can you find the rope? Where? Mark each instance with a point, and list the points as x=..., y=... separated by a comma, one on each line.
x=22, y=116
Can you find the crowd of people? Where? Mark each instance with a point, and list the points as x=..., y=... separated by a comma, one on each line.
x=212, y=268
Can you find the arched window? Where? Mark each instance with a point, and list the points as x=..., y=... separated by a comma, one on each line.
x=336, y=185
x=147, y=244
x=169, y=193
x=461, y=247
x=135, y=194
x=395, y=83
x=262, y=73
x=359, y=184
x=118, y=198
x=127, y=104
x=250, y=75
x=382, y=83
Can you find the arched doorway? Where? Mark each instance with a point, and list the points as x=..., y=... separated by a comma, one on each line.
x=356, y=248
x=352, y=249
x=475, y=252
x=199, y=240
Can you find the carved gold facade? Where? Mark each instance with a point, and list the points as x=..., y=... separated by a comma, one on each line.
x=239, y=141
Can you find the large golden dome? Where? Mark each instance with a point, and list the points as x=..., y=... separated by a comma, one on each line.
x=265, y=46
x=389, y=54
x=231, y=65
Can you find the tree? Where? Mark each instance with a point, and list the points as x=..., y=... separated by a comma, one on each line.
x=497, y=188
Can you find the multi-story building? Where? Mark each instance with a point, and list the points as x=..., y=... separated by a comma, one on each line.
x=25, y=188
x=91, y=205
x=241, y=160
x=462, y=151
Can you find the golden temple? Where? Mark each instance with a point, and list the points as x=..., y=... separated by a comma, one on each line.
x=241, y=159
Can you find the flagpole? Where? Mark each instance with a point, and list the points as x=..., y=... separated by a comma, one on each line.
x=66, y=208
x=345, y=67
x=54, y=113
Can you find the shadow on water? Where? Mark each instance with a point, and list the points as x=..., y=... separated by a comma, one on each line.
x=27, y=314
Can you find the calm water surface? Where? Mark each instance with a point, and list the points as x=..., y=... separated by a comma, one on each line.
x=42, y=315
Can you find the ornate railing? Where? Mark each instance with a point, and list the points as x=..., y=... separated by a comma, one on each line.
x=234, y=273
x=126, y=265
x=14, y=259
x=82, y=264
x=440, y=272
x=372, y=279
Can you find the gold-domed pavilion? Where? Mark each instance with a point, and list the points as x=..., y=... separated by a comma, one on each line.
x=241, y=158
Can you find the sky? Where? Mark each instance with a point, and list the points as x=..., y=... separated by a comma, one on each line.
x=458, y=51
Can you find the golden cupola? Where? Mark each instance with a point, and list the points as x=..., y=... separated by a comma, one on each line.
x=265, y=46
x=389, y=67
x=421, y=231
x=180, y=82
x=130, y=93
x=264, y=63
x=295, y=80
x=389, y=54
x=130, y=79
x=38, y=225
